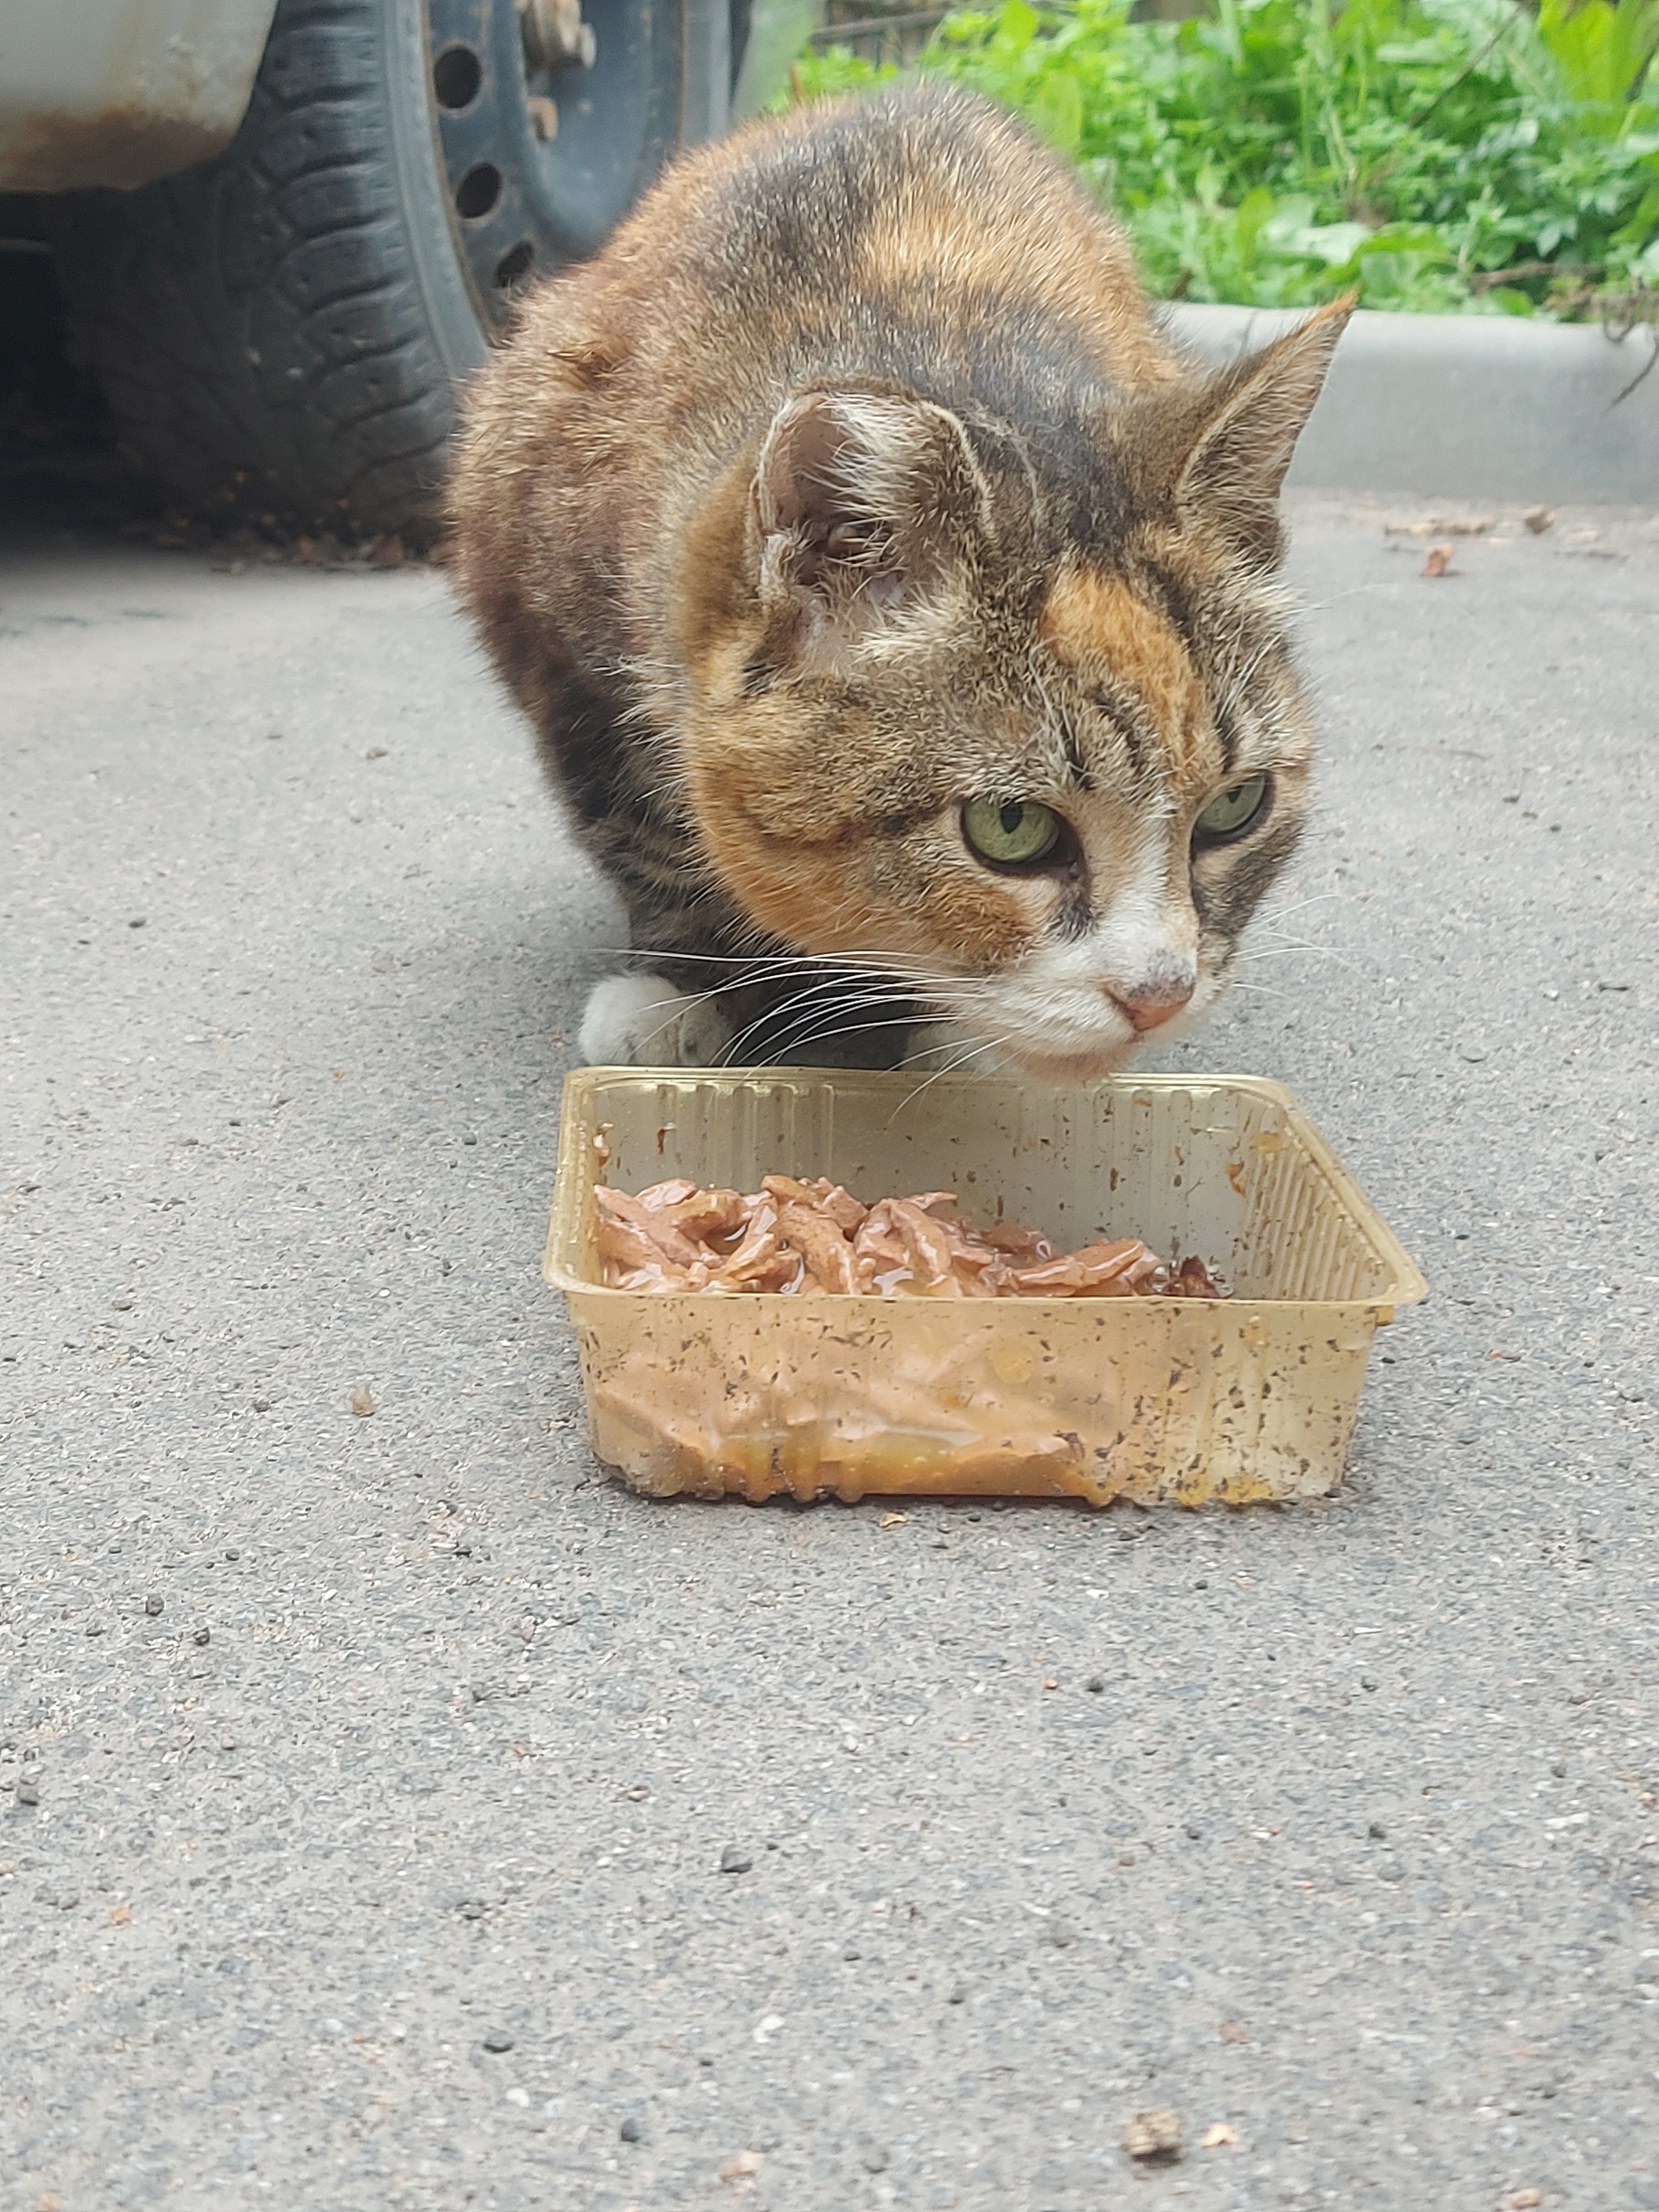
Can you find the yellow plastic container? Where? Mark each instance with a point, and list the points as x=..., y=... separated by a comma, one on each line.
x=1164, y=1400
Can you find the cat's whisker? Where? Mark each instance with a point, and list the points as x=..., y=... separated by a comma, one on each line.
x=951, y=1067
x=680, y=999
x=1267, y=925
x=899, y=993
x=802, y=1032
x=1261, y=990
x=1286, y=937
x=900, y=988
x=880, y=963
x=827, y=987
x=950, y=1044
x=832, y=996
x=1301, y=946
x=1298, y=951
x=812, y=1037
x=1314, y=898
x=834, y=991
x=1318, y=606
x=674, y=999
x=745, y=981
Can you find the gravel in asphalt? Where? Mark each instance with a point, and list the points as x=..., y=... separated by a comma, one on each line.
x=395, y=1812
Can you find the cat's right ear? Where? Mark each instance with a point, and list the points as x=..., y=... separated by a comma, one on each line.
x=861, y=503
x=1238, y=444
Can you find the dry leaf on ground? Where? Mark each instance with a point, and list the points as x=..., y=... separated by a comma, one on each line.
x=1440, y=526
x=1155, y=2135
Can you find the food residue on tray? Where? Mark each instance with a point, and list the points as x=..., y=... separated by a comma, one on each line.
x=796, y=1236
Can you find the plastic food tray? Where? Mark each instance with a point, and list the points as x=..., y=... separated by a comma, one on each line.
x=1174, y=1400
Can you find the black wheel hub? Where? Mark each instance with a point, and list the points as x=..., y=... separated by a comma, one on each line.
x=544, y=152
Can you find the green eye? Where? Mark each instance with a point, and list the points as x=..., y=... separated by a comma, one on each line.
x=1233, y=810
x=1013, y=835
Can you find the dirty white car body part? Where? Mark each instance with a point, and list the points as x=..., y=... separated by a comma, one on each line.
x=122, y=92
x=280, y=289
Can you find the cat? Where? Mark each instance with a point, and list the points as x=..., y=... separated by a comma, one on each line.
x=897, y=611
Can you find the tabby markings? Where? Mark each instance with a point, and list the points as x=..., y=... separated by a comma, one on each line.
x=1097, y=626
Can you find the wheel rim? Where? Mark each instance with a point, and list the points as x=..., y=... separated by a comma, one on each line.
x=543, y=153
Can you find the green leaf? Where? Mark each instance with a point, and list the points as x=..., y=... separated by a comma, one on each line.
x=1602, y=50
x=1016, y=24
x=1256, y=209
x=1056, y=110
x=1419, y=239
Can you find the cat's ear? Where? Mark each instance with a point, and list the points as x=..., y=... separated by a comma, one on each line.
x=1241, y=442
x=862, y=505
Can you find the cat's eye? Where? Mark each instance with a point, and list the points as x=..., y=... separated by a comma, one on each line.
x=1232, y=810
x=1013, y=835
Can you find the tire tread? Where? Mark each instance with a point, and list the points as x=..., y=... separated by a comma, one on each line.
x=205, y=302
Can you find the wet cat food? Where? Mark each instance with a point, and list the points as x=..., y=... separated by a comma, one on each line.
x=871, y=1344
x=796, y=1235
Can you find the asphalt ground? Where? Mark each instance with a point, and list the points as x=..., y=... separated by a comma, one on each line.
x=366, y=1779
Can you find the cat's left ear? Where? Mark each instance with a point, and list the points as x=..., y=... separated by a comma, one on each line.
x=1243, y=437
x=864, y=506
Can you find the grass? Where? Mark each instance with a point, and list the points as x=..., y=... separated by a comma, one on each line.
x=1473, y=156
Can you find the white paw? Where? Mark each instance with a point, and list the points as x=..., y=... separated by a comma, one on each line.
x=640, y=1021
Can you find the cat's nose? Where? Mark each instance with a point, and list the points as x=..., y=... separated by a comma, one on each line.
x=1150, y=1005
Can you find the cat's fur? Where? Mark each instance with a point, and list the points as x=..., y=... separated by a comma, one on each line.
x=851, y=482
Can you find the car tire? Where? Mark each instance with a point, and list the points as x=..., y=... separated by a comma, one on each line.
x=281, y=333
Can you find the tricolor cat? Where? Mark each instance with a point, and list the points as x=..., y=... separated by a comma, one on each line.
x=898, y=613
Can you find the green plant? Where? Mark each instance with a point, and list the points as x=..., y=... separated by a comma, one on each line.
x=1436, y=154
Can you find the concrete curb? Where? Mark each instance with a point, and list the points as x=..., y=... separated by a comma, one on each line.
x=1465, y=406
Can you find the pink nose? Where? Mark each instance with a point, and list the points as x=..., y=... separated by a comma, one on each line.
x=1149, y=1009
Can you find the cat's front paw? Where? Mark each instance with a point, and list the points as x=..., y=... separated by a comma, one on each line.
x=640, y=1021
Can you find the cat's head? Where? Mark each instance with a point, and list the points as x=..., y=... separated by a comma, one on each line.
x=1011, y=712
